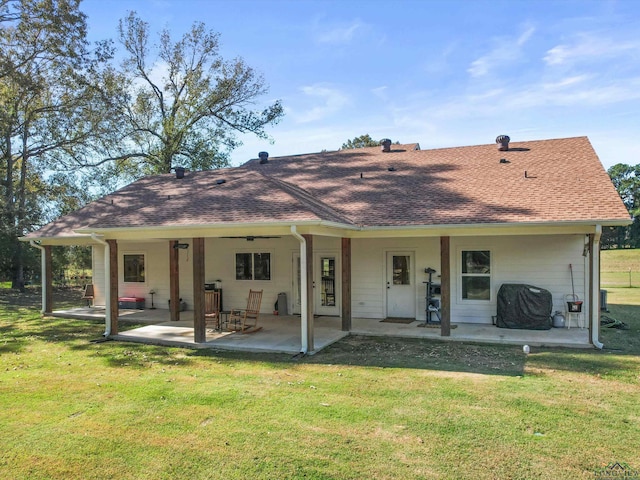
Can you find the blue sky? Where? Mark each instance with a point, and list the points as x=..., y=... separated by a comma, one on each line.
x=440, y=73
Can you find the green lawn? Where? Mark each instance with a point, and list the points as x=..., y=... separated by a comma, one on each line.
x=364, y=408
x=620, y=268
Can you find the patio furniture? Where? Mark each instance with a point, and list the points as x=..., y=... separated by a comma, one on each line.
x=212, y=309
x=246, y=320
x=88, y=294
x=573, y=310
x=131, y=303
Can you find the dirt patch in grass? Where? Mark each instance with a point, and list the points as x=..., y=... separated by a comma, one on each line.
x=390, y=352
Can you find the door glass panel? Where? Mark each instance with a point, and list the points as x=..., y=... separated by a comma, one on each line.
x=328, y=273
x=401, y=270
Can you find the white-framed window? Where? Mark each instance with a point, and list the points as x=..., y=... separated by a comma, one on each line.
x=253, y=266
x=475, y=274
x=134, y=268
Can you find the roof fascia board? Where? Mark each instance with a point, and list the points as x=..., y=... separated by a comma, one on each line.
x=323, y=228
x=220, y=230
x=476, y=230
x=61, y=241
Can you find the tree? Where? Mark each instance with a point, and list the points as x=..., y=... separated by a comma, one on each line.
x=626, y=179
x=186, y=104
x=52, y=104
x=360, y=142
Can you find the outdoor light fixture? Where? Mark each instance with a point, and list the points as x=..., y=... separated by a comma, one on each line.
x=181, y=246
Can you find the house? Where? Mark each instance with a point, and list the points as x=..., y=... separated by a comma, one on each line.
x=353, y=233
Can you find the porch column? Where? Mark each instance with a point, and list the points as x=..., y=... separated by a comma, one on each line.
x=445, y=287
x=346, y=284
x=594, y=288
x=309, y=293
x=113, y=286
x=199, y=326
x=47, y=280
x=174, y=281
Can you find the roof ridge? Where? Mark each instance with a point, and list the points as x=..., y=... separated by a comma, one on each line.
x=306, y=198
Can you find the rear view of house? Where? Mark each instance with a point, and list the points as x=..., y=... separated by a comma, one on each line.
x=390, y=232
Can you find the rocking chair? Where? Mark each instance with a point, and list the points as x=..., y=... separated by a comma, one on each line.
x=246, y=320
x=88, y=294
x=212, y=309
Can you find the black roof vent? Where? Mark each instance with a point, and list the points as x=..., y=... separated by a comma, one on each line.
x=264, y=157
x=503, y=141
x=386, y=144
x=179, y=172
x=391, y=169
x=220, y=181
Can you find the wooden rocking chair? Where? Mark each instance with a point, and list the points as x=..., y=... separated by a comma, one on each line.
x=212, y=309
x=246, y=320
x=88, y=294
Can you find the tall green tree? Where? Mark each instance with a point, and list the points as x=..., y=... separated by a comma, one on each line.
x=186, y=103
x=626, y=179
x=360, y=142
x=52, y=104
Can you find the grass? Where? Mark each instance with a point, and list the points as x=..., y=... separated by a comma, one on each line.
x=377, y=408
x=620, y=268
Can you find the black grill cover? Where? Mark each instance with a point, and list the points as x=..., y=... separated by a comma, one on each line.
x=524, y=306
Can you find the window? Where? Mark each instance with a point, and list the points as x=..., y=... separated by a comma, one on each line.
x=253, y=266
x=134, y=268
x=476, y=275
x=401, y=272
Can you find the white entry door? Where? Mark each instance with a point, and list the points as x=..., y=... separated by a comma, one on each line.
x=400, y=282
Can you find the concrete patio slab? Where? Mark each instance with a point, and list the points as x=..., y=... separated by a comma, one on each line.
x=282, y=334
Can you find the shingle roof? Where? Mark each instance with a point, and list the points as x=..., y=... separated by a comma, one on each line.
x=543, y=181
x=564, y=181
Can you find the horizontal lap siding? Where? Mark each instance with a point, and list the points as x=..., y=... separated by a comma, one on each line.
x=156, y=273
x=369, y=272
x=220, y=265
x=542, y=261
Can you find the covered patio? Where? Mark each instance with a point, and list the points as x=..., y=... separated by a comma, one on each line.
x=281, y=334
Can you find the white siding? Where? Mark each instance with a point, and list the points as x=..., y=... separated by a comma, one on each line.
x=220, y=255
x=542, y=261
x=368, y=264
x=156, y=256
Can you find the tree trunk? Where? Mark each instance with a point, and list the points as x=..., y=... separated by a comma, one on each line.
x=21, y=195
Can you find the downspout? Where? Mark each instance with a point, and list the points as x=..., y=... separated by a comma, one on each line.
x=595, y=292
x=107, y=285
x=304, y=318
x=43, y=273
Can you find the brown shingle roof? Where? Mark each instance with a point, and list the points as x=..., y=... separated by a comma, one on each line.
x=564, y=182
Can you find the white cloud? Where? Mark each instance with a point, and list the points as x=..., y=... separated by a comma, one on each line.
x=331, y=99
x=342, y=34
x=589, y=47
x=507, y=50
